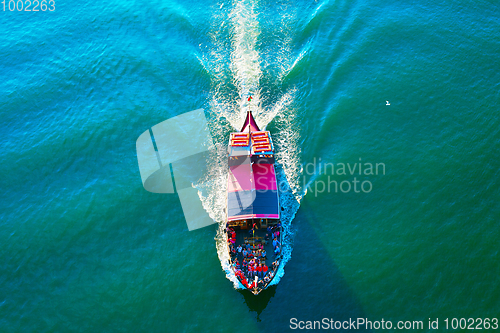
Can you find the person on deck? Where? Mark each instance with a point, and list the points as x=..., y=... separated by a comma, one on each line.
x=275, y=242
x=245, y=265
x=264, y=269
x=250, y=270
x=259, y=270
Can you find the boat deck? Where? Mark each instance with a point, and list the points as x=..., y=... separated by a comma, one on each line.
x=259, y=235
x=240, y=239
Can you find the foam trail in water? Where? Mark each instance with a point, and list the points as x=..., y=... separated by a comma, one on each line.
x=245, y=60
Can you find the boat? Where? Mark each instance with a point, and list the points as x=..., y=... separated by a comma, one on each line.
x=253, y=228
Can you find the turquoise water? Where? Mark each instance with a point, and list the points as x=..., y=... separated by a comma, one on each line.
x=86, y=249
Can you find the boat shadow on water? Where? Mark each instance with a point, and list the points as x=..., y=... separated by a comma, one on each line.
x=312, y=288
x=258, y=303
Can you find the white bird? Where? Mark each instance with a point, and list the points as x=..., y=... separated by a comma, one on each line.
x=387, y=103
